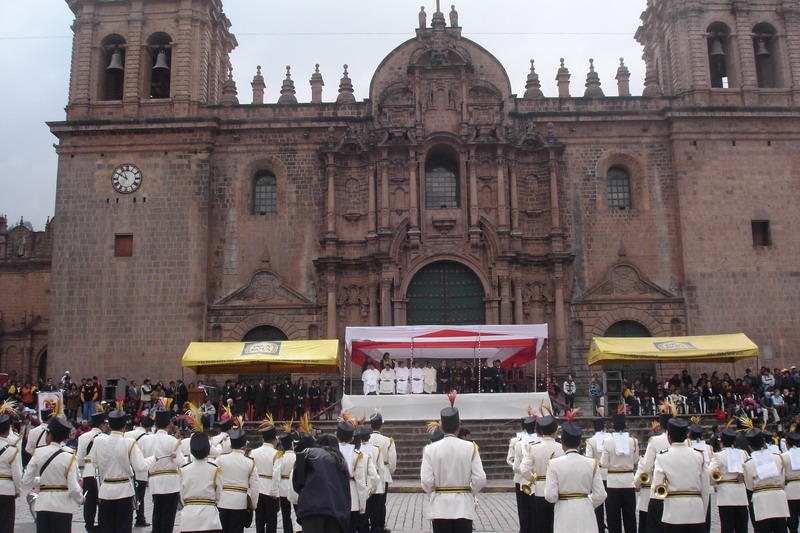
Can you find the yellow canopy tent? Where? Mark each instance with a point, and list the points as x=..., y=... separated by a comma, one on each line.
x=706, y=348
x=262, y=357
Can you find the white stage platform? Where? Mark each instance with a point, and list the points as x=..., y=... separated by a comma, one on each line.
x=486, y=406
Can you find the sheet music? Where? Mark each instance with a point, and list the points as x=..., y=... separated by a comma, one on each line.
x=794, y=455
x=735, y=460
x=622, y=443
x=348, y=451
x=765, y=464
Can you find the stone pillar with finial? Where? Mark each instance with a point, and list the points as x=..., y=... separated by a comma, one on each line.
x=258, y=86
x=562, y=78
x=229, y=90
x=453, y=17
x=533, y=89
x=287, y=89
x=345, y=89
x=593, y=89
x=623, y=79
x=437, y=21
x=651, y=86
x=316, y=85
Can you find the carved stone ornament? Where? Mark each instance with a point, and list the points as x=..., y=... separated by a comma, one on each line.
x=624, y=280
x=264, y=288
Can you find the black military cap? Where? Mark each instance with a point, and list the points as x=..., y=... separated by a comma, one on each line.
x=46, y=413
x=529, y=424
x=547, y=425
x=571, y=434
x=269, y=433
x=344, y=431
x=163, y=418
x=146, y=422
x=599, y=424
x=663, y=420
x=696, y=431
x=5, y=423
x=376, y=420
x=225, y=425
x=97, y=419
x=286, y=441
x=728, y=436
x=755, y=438
x=306, y=441
x=793, y=438
x=59, y=428
x=437, y=434
x=199, y=444
x=619, y=421
x=677, y=429
x=117, y=418
x=450, y=417
x=238, y=439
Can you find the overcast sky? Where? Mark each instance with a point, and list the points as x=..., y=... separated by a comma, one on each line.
x=35, y=44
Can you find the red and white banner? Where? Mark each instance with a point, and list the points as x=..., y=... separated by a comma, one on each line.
x=519, y=343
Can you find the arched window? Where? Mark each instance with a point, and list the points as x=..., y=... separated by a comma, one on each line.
x=619, y=188
x=158, y=66
x=265, y=193
x=765, y=50
x=112, y=63
x=627, y=328
x=719, y=55
x=441, y=182
x=264, y=333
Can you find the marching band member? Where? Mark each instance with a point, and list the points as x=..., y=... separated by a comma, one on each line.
x=200, y=488
x=164, y=473
x=222, y=441
x=266, y=458
x=534, y=465
x=594, y=449
x=85, y=444
x=36, y=436
x=403, y=376
x=728, y=475
x=574, y=484
x=525, y=508
x=765, y=477
x=512, y=447
x=10, y=475
x=137, y=434
x=452, y=473
x=361, y=470
x=283, y=476
x=791, y=461
x=620, y=457
x=387, y=380
x=54, y=471
x=641, y=482
x=376, y=505
x=240, y=486
x=655, y=445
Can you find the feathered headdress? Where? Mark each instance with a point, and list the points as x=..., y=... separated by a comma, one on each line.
x=622, y=408
x=531, y=412
x=451, y=397
x=655, y=427
x=668, y=408
x=546, y=411
x=267, y=423
x=228, y=411
x=746, y=423
x=305, y=425
x=288, y=427
x=695, y=419
x=719, y=414
x=570, y=415
x=193, y=417
x=431, y=426
x=728, y=424
x=239, y=421
x=9, y=407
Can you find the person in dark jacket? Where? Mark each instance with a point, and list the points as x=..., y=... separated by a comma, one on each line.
x=260, y=393
x=315, y=396
x=322, y=482
x=287, y=399
x=273, y=400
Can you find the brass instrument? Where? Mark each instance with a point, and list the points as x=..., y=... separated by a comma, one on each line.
x=716, y=477
x=526, y=488
x=661, y=491
x=644, y=477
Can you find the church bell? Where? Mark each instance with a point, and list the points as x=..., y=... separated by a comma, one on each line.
x=761, y=48
x=717, y=51
x=116, y=60
x=161, y=60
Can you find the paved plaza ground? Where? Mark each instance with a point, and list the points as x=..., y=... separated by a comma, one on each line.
x=405, y=514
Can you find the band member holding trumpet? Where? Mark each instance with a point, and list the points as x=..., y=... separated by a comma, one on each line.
x=620, y=456
x=680, y=477
x=728, y=476
x=594, y=448
x=525, y=507
x=534, y=465
x=644, y=475
x=792, y=465
x=765, y=476
x=641, y=482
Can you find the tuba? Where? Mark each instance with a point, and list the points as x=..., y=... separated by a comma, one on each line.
x=716, y=477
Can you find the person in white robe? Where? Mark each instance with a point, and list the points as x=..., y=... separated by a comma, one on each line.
x=370, y=377
x=403, y=377
x=429, y=379
x=387, y=380
x=417, y=377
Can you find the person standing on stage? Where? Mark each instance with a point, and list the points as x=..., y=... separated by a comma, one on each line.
x=525, y=507
x=444, y=377
x=791, y=461
x=116, y=459
x=387, y=380
x=10, y=475
x=164, y=481
x=53, y=469
x=452, y=473
x=534, y=470
x=287, y=399
x=201, y=488
x=85, y=444
x=731, y=494
x=260, y=395
x=315, y=397
x=428, y=378
x=300, y=395
x=457, y=377
x=371, y=378
x=417, y=377
x=594, y=450
x=137, y=434
x=765, y=477
x=265, y=458
x=681, y=475
x=240, y=487
x=403, y=377
x=376, y=504
x=386, y=361
x=283, y=466
x=574, y=485
x=619, y=457
x=655, y=445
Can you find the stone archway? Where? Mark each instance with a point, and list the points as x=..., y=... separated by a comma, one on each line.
x=265, y=333
x=445, y=292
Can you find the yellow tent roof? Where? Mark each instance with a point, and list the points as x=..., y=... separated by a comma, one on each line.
x=262, y=357
x=706, y=348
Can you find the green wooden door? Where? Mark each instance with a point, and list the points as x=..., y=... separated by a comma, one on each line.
x=445, y=292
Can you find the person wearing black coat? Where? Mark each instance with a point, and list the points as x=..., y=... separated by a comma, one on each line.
x=273, y=399
x=315, y=396
x=322, y=482
x=287, y=399
x=260, y=393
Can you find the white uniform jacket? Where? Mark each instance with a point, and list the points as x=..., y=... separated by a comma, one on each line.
x=375, y=458
x=116, y=459
x=620, y=467
x=403, y=376
x=387, y=381
x=594, y=449
x=265, y=458
x=730, y=489
x=36, y=438
x=792, y=477
x=683, y=471
x=220, y=444
x=388, y=456
x=523, y=439
x=536, y=458
x=644, y=488
x=370, y=377
x=137, y=434
x=10, y=468
x=575, y=486
x=285, y=466
x=84, y=442
x=200, y=492
x=58, y=486
x=239, y=479
x=165, y=468
x=769, y=498
x=362, y=480
x=512, y=448
x=655, y=445
x=452, y=473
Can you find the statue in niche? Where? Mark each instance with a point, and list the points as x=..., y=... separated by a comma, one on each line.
x=453, y=17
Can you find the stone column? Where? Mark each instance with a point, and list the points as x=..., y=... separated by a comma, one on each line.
x=555, y=216
x=330, y=283
x=383, y=164
x=413, y=211
x=386, y=302
x=473, y=188
x=371, y=201
x=502, y=210
x=791, y=23
x=181, y=70
x=135, y=63
x=330, y=211
x=506, y=310
x=514, y=200
x=400, y=312
x=747, y=77
x=698, y=50
x=373, y=300
x=560, y=320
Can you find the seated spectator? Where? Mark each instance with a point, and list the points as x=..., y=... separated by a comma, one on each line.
x=779, y=404
x=768, y=408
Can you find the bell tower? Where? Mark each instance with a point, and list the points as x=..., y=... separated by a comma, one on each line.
x=706, y=48
x=147, y=58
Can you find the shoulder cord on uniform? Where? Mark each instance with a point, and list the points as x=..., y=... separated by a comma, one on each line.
x=216, y=475
x=474, y=450
x=71, y=462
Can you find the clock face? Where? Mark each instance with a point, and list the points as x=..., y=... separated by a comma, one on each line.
x=126, y=178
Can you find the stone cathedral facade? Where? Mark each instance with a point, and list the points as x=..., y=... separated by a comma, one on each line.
x=188, y=211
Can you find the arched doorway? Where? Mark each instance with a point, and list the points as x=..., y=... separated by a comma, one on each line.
x=445, y=292
x=42, y=367
x=264, y=333
x=630, y=328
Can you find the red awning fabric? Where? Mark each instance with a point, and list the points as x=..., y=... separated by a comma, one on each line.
x=509, y=343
